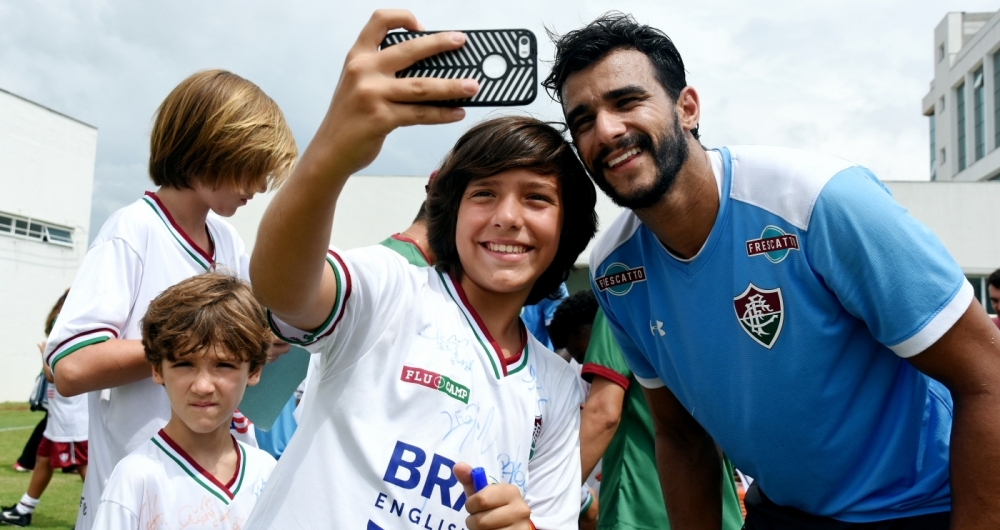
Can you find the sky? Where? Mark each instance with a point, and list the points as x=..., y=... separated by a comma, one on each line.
x=845, y=78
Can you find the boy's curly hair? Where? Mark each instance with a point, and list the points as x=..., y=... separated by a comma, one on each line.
x=211, y=309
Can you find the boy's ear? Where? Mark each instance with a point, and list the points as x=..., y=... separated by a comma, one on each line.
x=157, y=373
x=254, y=377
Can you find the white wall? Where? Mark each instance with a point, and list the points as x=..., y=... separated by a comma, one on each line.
x=962, y=214
x=373, y=208
x=46, y=173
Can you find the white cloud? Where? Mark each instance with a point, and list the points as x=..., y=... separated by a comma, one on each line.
x=840, y=77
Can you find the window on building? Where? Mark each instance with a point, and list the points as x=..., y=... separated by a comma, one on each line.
x=940, y=52
x=941, y=103
x=11, y=225
x=933, y=149
x=979, y=112
x=960, y=110
x=943, y=157
x=996, y=100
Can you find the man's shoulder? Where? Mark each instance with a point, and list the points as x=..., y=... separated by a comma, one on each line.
x=785, y=182
x=618, y=233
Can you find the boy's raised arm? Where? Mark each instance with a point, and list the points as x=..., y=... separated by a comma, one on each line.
x=287, y=268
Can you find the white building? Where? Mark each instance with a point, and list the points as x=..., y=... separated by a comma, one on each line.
x=963, y=104
x=960, y=213
x=46, y=180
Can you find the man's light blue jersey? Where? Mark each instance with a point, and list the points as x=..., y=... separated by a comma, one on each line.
x=786, y=336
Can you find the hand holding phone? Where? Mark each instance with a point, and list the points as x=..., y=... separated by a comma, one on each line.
x=503, y=61
x=370, y=102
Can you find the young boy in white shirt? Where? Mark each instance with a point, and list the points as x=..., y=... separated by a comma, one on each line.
x=422, y=369
x=207, y=339
x=216, y=141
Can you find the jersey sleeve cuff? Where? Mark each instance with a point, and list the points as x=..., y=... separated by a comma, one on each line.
x=293, y=335
x=590, y=369
x=650, y=383
x=76, y=342
x=938, y=326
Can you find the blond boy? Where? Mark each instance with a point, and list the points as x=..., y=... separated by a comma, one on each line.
x=216, y=141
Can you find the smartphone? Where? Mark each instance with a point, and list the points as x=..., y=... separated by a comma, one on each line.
x=503, y=61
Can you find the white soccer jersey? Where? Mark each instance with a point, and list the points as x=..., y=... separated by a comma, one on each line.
x=159, y=486
x=67, y=420
x=138, y=253
x=410, y=382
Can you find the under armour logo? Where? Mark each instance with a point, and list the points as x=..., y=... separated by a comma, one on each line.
x=656, y=328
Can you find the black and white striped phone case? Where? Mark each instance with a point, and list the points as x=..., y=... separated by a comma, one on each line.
x=503, y=61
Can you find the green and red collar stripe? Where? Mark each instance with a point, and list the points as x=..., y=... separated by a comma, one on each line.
x=205, y=259
x=224, y=492
x=80, y=340
x=404, y=239
x=502, y=367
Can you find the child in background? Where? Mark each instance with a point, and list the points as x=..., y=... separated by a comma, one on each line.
x=217, y=140
x=63, y=444
x=207, y=339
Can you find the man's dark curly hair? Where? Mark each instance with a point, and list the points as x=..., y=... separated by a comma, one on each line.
x=612, y=31
x=492, y=147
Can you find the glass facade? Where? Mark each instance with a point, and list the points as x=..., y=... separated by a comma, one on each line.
x=933, y=149
x=996, y=100
x=979, y=113
x=960, y=111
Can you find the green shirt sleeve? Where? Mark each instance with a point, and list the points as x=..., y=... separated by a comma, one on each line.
x=604, y=358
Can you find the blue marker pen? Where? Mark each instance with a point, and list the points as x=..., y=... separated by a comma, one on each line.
x=479, y=479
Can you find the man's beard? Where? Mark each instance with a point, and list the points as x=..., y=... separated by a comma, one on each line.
x=669, y=156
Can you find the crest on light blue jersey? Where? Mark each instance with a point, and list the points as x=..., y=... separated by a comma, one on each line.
x=760, y=313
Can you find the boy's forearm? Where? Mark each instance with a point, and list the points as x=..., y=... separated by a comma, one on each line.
x=107, y=364
x=287, y=263
x=287, y=267
x=599, y=421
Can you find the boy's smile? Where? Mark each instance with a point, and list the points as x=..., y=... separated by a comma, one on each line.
x=508, y=230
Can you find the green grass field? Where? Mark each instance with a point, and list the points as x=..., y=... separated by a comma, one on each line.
x=58, y=506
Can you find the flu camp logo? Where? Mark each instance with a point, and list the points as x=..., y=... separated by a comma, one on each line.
x=774, y=243
x=760, y=313
x=618, y=278
x=435, y=381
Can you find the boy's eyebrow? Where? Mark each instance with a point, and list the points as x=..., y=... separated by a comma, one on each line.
x=543, y=184
x=491, y=181
x=611, y=95
x=485, y=181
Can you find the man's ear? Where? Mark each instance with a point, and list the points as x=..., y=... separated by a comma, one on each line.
x=688, y=108
x=254, y=376
x=157, y=373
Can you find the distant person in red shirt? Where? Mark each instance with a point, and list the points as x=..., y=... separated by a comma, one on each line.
x=993, y=288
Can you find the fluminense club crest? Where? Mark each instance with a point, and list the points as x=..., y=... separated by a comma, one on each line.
x=761, y=314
